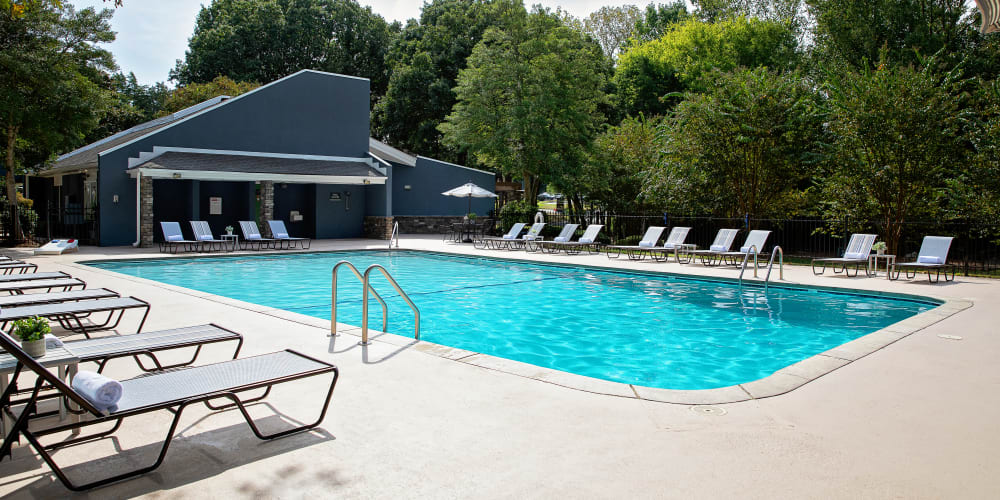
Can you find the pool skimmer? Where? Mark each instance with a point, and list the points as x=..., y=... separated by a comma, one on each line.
x=713, y=411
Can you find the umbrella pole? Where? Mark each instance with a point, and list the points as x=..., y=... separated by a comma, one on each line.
x=468, y=238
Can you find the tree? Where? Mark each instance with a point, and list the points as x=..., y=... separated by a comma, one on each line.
x=855, y=31
x=131, y=104
x=683, y=58
x=189, y=95
x=611, y=27
x=49, y=63
x=658, y=20
x=425, y=61
x=897, y=131
x=528, y=100
x=742, y=148
x=614, y=173
x=263, y=40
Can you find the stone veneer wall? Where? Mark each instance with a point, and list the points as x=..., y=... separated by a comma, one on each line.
x=426, y=224
x=266, y=207
x=146, y=212
x=377, y=227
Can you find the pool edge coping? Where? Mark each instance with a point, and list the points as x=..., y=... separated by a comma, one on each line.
x=780, y=382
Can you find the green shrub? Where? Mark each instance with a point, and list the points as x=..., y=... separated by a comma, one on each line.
x=30, y=329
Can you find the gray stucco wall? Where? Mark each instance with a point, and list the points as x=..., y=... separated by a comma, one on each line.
x=308, y=113
x=343, y=218
x=428, y=179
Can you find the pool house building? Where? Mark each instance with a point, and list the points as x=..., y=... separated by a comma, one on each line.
x=297, y=149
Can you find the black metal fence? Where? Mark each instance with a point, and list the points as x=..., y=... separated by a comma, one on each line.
x=976, y=248
x=68, y=222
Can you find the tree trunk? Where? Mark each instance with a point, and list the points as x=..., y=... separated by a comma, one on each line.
x=11, y=187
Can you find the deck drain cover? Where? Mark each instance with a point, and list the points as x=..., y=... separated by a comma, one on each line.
x=950, y=337
x=714, y=411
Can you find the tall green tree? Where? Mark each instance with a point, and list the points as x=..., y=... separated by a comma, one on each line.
x=744, y=147
x=684, y=58
x=50, y=62
x=194, y=93
x=610, y=26
x=425, y=61
x=131, y=104
x=263, y=40
x=615, y=171
x=659, y=19
x=528, y=103
x=898, y=132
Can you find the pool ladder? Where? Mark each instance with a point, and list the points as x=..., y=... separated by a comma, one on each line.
x=770, y=264
x=394, y=235
x=365, y=288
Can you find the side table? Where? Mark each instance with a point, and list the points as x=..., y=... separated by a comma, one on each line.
x=890, y=264
x=61, y=357
x=233, y=238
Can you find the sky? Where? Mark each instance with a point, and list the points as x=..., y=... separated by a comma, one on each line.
x=153, y=34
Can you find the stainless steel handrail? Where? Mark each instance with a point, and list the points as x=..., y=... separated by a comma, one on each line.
x=746, y=256
x=333, y=299
x=770, y=265
x=364, y=303
x=394, y=235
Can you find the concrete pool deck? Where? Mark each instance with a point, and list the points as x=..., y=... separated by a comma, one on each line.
x=910, y=418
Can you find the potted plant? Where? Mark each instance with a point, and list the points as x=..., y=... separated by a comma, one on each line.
x=229, y=230
x=879, y=247
x=32, y=332
x=471, y=216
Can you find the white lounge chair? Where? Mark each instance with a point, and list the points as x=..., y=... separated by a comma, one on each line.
x=565, y=235
x=858, y=250
x=674, y=243
x=251, y=236
x=280, y=233
x=722, y=243
x=755, y=242
x=588, y=241
x=174, y=238
x=534, y=234
x=637, y=252
x=204, y=237
x=493, y=242
x=933, y=256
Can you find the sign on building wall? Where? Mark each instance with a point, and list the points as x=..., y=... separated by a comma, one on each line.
x=215, y=205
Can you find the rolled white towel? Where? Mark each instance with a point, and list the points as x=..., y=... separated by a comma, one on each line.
x=560, y=239
x=52, y=342
x=646, y=244
x=101, y=391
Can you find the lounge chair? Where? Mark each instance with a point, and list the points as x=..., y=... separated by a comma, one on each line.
x=755, y=241
x=18, y=267
x=674, y=243
x=933, y=256
x=49, y=285
x=16, y=278
x=251, y=237
x=31, y=299
x=70, y=314
x=637, y=252
x=173, y=238
x=204, y=237
x=588, y=241
x=859, y=247
x=490, y=242
x=566, y=234
x=534, y=234
x=280, y=233
x=722, y=243
x=172, y=391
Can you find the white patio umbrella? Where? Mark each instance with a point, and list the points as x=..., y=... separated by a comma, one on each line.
x=470, y=191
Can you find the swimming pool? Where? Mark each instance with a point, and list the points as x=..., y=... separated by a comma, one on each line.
x=636, y=328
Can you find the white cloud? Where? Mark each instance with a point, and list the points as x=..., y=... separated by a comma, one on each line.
x=154, y=34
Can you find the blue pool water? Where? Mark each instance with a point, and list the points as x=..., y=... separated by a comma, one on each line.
x=645, y=329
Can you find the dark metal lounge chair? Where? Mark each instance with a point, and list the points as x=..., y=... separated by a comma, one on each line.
x=171, y=391
x=174, y=238
x=280, y=234
x=69, y=314
x=251, y=237
x=55, y=297
x=16, y=266
x=204, y=237
x=637, y=252
x=19, y=287
x=858, y=251
x=933, y=256
x=14, y=278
